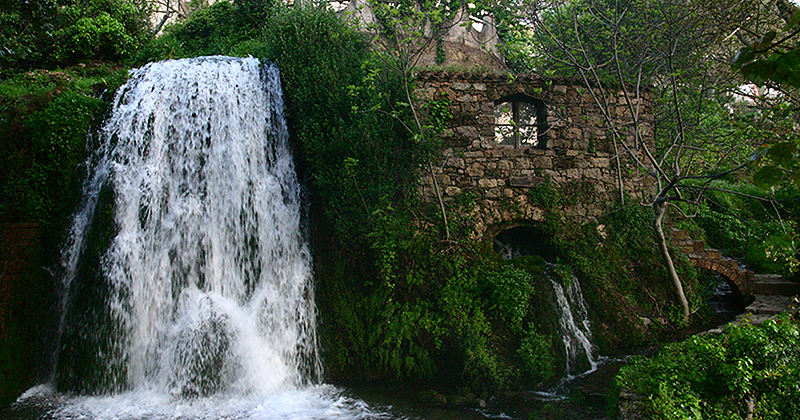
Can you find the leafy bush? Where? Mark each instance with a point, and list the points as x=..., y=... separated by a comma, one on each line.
x=755, y=231
x=46, y=117
x=536, y=352
x=58, y=135
x=509, y=293
x=715, y=375
x=228, y=28
x=45, y=34
x=95, y=37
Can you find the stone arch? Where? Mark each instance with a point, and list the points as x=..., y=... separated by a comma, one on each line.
x=739, y=278
x=700, y=256
x=521, y=240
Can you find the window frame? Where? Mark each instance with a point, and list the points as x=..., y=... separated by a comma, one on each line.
x=540, y=109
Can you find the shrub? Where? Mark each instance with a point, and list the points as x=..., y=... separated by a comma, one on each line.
x=46, y=117
x=101, y=36
x=713, y=376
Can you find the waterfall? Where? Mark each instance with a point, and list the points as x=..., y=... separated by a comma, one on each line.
x=574, y=326
x=205, y=286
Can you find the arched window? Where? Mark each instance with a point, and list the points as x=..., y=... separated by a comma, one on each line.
x=520, y=121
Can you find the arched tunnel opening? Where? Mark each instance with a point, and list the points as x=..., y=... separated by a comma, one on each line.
x=522, y=241
x=725, y=301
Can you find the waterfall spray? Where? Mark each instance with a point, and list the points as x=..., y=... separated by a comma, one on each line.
x=206, y=281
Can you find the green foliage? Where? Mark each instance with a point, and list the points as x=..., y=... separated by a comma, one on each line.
x=224, y=28
x=208, y=31
x=777, y=159
x=772, y=57
x=358, y=159
x=536, y=352
x=46, y=117
x=756, y=231
x=440, y=114
x=623, y=277
x=545, y=195
x=510, y=291
x=47, y=33
x=101, y=36
x=24, y=28
x=714, y=376
x=58, y=134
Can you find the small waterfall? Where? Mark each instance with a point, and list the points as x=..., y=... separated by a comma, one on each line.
x=573, y=324
x=205, y=286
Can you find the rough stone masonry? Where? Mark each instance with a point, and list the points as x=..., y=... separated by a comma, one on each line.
x=575, y=151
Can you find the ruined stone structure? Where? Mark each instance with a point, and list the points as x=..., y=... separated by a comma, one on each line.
x=469, y=41
x=510, y=133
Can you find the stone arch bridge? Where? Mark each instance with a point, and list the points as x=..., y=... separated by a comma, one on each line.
x=712, y=259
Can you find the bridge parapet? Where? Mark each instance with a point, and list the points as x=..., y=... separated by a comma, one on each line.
x=712, y=259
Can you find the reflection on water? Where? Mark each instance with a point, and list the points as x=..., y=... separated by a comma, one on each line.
x=725, y=303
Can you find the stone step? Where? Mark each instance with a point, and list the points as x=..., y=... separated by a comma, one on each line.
x=770, y=305
x=712, y=254
x=774, y=284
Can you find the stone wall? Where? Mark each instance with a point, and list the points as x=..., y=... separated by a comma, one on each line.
x=469, y=41
x=578, y=156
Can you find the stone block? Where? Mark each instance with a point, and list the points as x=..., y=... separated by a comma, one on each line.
x=476, y=170
x=574, y=133
x=493, y=193
x=592, y=173
x=487, y=183
x=504, y=165
x=543, y=162
x=467, y=131
x=452, y=191
x=525, y=181
x=712, y=254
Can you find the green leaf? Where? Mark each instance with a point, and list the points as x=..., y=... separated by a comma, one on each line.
x=759, y=71
x=796, y=178
x=787, y=68
x=793, y=21
x=758, y=153
x=743, y=56
x=767, y=176
x=782, y=153
x=765, y=42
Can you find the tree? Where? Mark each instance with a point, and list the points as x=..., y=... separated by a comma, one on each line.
x=675, y=49
x=402, y=32
x=46, y=33
x=772, y=62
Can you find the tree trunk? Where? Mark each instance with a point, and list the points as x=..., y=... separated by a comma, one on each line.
x=659, y=209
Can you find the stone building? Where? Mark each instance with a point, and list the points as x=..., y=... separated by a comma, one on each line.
x=469, y=41
x=510, y=133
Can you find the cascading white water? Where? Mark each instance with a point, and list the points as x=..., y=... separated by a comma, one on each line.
x=207, y=277
x=210, y=274
x=574, y=326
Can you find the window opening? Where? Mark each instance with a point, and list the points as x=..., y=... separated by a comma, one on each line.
x=520, y=122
